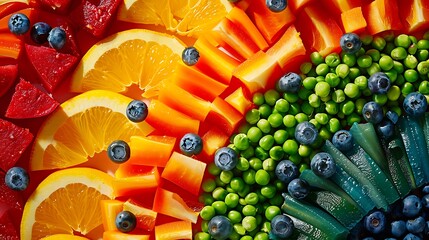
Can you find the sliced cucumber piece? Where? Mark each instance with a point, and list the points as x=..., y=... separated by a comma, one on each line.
x=342, y=161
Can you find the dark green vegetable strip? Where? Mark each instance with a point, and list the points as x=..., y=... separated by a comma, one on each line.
x=415, y=144
x=399, y=167
x=314, y=216
x=342, y=161
x=372, y=172
x=306, y=231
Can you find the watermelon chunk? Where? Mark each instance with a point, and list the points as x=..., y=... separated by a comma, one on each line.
x=51, y=66
x=55, y=5
x=95, y=18
x=13, y=142
x=8, y=75
x=30, y=102
x=7, y=226
x=12, y=199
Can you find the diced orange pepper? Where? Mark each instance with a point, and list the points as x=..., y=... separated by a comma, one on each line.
x=151, y=150
x=116, y=235
x=381, y=16
x=10, y=45
x=336, y=7
x=214, y=139
x=174, y=230
x=214, y=62
x=197, y=83
x=258, y=72
x=239, y=101
x=223, y=115
x=109, y=209
x=297, y=5
x=169, y=121
x=132, y=170
x=270, y=24
x=414, y=15
x=184, y=102
x=353, y=20
x=171, y=204
x=145, y=217
x=190, y=175
x=128, y=185
x=9, y=8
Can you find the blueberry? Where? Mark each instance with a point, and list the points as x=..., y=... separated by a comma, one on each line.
x=372, y=112
x=425, y=201
x=126, y=221
x=137, y=111
x=306, y=133
x=323, y=165
x=350, y=43
x=118, y=151
x=191, y=144
x=17, y=178
x=425, y=189
x=57, y=37
x=398, y=228
x=411, y=236
x=411, y=206
x=392, y=116
x=343, y=140
x=416, y=225
x=379, y=83
x=426, y=230
x=276, y=5
x=415, y=104
x=39, y=32
x=290, y=82
x=281, y=227
x=385, y=128
x=190, y=56
x=298, y=188
x=220, y=227
x=286, y=170
x=375, y=222
x=226, y=158
x=18, y=23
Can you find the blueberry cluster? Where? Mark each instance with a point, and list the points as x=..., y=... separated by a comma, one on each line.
x=40, y=32
x=408, y=218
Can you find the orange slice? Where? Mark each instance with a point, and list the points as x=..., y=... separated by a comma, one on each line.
x=10, y=1
x=66, y=202
x=63, y=237
x=132, y=58
x=184, y=17
x=81, y=127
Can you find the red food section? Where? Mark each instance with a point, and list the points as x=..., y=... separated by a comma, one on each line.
x=243, y=54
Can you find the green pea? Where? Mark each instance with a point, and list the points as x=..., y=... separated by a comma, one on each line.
x=241, y=141
x=262, y=177
x=411, y=61
x=271, y=212
x=213, y=169
x=342, y=70
x=332, y=59
x=219, y=193
x=351, y=90
x=309, y=82
x=378, y=43
x=265, y=110
x=249, y=176
x=423, y=44
x=206, y=198
x=253, y=116
x=325, y=133
x=402, y=40
x=219, y=183
x=249, y=210
x=248, y=153
x=332, y=79
x=386, y=63
x=354, y=73
x=412, y=49
x=290, y=97
x=400, y=80
x=269, y=191
x=322, y=69
x=246, y=237
x=424, y=87
x=322, y=89
x=315, y=123
x=220, y=207
x=226, y=176
x=334, y=125
x=353, y=118
x=290, y=146
x=320, y=78
x=364, y=61
x=301, y=117
x=258, y=99
x=243, y=164
x=266, y=142
x=252, y=198
x=399, y=53
x=305, y=67
x=374, y=54
x=289, y=120
x=366, y=39
x=348, y=107
x=239, y=229
x=244, y=191
x=237, y=184
x=407, y=88
x=392, y=75
x=389, y=47
x=413, y=39
x=303, y=167
x=282, y=105
x=304, y=150
x=276, y=153
x=264, y=125
x=254, y=134
x=234, y=216
x=393, y=93
x=422, y=55
x=269, y=164
x=280, y=136
x=398, y=67
x=202, y=236
x=261, y=153
x=208, y=185
x=294, y=108
x=321, y=118
x=261, y=236
x=295, y=158
x=314, y=100
x=423, y=68
x=361, y=82
x=304, y=93
x=271, y=96
x=349, y=59
x=316, y=58
x=255, y=163
x=249, y=223
x=275, y=120
x=331, y=107
x=411, y=75
x=374, y=68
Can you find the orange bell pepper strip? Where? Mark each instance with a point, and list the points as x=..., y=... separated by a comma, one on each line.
x=109, y=209
x=116, y=235
x=414, y=15
x=190, y=175
x=128, y=169
x=239, y=100
x=336, y=7
x=381, y=16
x=129, y=185
x=10, y=45
x=150, y=150
x=174, y=230
x=297, y=5
x=213, y=139
x=353, y=20
x=224, y=115
x=145, y=217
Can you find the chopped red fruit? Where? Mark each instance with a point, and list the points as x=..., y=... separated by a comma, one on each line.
x=96, y=18
x=51, y=65
x=8, y=229
x=30, y=102
x=9, y=197
x=13, y=142
x=8, y=75
x=55, y=5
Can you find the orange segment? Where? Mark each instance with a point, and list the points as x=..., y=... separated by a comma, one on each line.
x=109, y=209
x=115, y=235
x=81, y=127
x=133, y=58
x=64, y=237
x=67, y=201
x=183, y=17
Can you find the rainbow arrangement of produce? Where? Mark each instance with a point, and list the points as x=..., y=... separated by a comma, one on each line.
x=214, y=119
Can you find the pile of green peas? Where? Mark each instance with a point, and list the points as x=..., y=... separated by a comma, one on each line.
x=333, y=93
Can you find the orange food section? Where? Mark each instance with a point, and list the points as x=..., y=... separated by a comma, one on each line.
x=243, y=53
